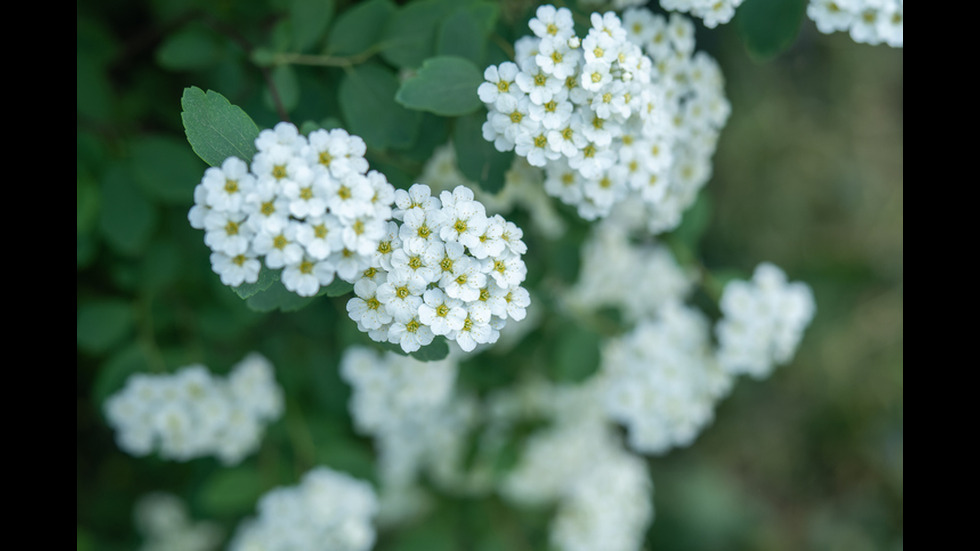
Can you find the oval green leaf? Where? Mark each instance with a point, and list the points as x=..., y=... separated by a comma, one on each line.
x=445, y=85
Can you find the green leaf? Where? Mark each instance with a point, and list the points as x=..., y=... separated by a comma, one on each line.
x=127, y=219
x=464, y=32
x=230, y=492
x=478, y=159
x=287, y=87
x=359, y=28
x=444, y=85
x=576, y=354
x=367, y=101
x=192, y=48
x=338, y=288
x=433, y=352
x=409, y=36
x=267, y=276
x=165, y=169
x=113, y=373
x=310, y=19
x=694, y=223
x=769, y=27
x=103, y=323
x=215, y=128
x=277, y=297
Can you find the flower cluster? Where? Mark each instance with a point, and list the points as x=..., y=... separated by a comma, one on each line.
x=763, y=321
x=713, y=12
x=444, y=268
x=307, y=206
x=661, y=379
x=327, y=510
x=626, y=113
x=867, y=21
x=163, y=520
x=602, y=491
x=411, y=410
x=192, y=413
x=636, y=278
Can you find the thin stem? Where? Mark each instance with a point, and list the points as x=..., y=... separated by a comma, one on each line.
x=289, y=58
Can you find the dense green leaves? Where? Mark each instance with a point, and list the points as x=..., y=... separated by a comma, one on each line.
x=769, y=27
x=576, y=356
x=359, y=28
x=478, y=159
x=193, y=48
x=215, y=128
x=165, y=169
x=309, y=19
x=445, y=85
x=367, y=100
x=267, y=277
x=409, y=35
x=464, y=32
x=103, y=323
x=127, y=218
x=230, y=492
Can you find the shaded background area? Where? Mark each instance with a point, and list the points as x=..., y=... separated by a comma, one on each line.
x=808, y=175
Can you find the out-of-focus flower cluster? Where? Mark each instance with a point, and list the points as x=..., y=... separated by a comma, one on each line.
x=712, y=12
x=328, y=510
x=763, y=321
x=867, y=21
x=661, y=379
x=192, y=413
x=307, y=206
x=602, y=491
x=444, y=268
x=163, y=521
x=628, y=113
x=417, y=420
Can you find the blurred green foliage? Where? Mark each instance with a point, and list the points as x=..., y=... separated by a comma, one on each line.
x=808, y=175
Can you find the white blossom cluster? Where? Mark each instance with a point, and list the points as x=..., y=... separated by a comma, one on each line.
x=444, y=268
x=522, y=188
x=163, y=521
x=661, y=379
x=602, y=491
x=409, y=407
x=417, y=421
x=628, y=113
x=192, y=413
x=763, y=321
x=307, y=206
x=867, y=21
x=327, y=511
x=712, y=12
x=636, y=278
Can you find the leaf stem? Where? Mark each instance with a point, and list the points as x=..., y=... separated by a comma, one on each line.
x=291, y=58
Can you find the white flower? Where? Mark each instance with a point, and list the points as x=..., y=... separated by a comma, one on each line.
x=365, y=308
x=441, y=313
x=226, y=187
x=499, y=82
x=327, y=510
x=307, y=276
x=235, y=270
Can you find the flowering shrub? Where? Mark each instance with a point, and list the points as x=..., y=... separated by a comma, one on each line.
x=478, y=241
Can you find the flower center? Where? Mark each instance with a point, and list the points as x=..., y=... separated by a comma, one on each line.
x=325, y=158
x=279, y=172
x=231, y=186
